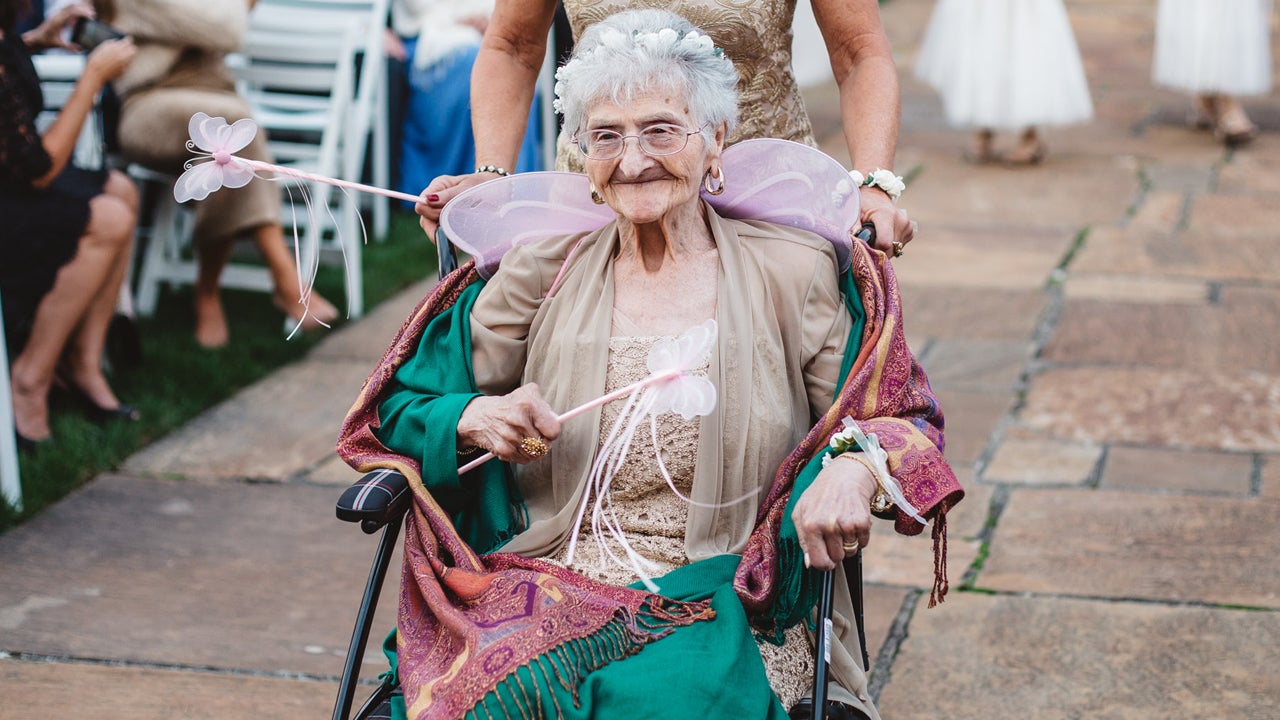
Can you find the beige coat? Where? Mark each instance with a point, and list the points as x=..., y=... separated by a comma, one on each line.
x=180, y=70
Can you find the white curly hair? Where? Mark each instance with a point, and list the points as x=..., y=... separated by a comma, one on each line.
x=641, y=51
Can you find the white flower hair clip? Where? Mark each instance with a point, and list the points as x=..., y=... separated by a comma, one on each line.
x=664, y=41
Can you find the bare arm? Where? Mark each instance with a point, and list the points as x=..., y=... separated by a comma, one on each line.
x=505, y=75
x=864, y=71
x=103, y=65
x=870, y=104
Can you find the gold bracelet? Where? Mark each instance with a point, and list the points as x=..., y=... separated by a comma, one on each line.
x=882, y=504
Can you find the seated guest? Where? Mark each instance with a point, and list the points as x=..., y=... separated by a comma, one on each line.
x=68, y=232
x=526, y=630
x=438, y=41
x=180, y=71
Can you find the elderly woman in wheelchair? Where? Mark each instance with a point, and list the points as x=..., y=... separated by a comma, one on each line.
x=587, y=576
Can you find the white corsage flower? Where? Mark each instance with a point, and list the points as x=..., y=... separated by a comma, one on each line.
x=888, y=182
x=891, y=184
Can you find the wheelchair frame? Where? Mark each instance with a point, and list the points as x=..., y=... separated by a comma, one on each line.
x=379, y=501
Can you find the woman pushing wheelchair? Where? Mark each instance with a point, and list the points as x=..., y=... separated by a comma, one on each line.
x=656, y=556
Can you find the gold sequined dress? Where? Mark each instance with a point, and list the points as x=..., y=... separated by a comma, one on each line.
x=755, y=35
x=653, y=517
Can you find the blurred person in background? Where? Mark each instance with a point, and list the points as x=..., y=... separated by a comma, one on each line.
x=1005, y=65
x=68, y=232
x=1216, y=50
x=438, y=40
x=179, y=71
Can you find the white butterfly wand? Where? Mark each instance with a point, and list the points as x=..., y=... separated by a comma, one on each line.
x=220, y=143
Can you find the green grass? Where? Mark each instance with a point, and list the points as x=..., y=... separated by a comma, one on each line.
x=178, y=379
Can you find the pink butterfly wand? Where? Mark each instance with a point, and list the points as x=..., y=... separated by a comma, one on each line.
x=223, y=168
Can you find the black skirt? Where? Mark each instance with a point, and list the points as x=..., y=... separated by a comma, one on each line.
x=40, y=231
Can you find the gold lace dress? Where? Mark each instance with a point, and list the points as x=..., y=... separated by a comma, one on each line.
x=755, y=35
x=653, y=517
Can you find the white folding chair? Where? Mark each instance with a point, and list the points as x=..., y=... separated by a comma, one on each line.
x=299, y=85
x=58, y=74
x=369, y=124
x=10, y=482
x=299, y=88
x=169, y=257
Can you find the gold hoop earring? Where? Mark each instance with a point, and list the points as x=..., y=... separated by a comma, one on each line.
x=719, y=178
x=595, y=196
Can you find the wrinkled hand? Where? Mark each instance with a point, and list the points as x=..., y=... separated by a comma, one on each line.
x=51, y=32
x=891, y=221
x=441, y=190
x=109, y=60
x=834, y=510
x=499, y=423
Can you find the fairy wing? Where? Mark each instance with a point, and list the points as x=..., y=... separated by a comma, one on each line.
x=214, y=135
x=787, y=183
x=491, y=218
x=773, y=180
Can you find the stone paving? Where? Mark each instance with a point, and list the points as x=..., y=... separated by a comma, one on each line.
x=1101, y=329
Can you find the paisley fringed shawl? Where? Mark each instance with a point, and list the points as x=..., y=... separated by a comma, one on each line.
x=888, y=392
x=468, y=622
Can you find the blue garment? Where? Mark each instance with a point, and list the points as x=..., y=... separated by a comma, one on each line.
x=437, y=136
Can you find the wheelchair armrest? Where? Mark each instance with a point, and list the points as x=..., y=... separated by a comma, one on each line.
x=378, y=498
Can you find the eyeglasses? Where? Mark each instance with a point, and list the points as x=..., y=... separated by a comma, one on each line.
x=655, y=141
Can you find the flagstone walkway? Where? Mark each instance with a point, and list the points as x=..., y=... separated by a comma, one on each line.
x=1102, y=330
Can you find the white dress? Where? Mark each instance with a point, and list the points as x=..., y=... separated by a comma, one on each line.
x=1213, y=46
x=1004, y=64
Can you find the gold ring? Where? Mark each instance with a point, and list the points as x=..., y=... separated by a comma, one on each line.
x=897, y=248
x=534, y=447
x=850, y=547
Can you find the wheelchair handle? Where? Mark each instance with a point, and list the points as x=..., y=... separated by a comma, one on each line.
x=867, y=233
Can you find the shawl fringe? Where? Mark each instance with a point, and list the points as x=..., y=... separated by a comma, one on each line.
x=940, y=582
x=568, y=664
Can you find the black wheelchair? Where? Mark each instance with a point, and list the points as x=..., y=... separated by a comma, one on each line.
x=379, y=501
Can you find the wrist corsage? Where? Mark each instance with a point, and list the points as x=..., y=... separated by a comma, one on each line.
x=891, y=184
x=851, y=442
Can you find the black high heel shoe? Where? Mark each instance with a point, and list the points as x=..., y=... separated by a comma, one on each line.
x=26, y=444
x=95, y=412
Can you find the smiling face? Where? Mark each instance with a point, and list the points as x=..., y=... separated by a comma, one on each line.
x=641, y=188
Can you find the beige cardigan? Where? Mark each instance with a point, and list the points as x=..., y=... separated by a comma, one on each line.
x=782, y=334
